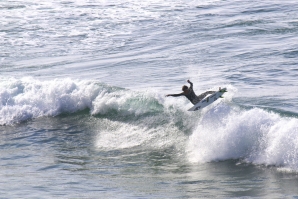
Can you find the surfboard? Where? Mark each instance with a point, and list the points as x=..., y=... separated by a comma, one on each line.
x=209, y=99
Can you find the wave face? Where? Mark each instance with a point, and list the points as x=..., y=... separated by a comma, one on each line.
x=28, y=98
x=144, y=119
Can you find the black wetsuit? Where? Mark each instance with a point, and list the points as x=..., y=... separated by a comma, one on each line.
x=193, y=98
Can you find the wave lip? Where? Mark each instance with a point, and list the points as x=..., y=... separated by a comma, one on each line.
x=255, y=136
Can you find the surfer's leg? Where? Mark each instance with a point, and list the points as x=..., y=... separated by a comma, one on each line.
x=209, y=92
x=203, y=95
x=196, y=100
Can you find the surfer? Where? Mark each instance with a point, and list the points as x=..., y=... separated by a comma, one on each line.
x=190, y=94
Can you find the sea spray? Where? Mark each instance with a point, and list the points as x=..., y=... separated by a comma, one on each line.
x=252, y=135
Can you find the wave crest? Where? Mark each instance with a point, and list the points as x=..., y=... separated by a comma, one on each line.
x=255, y=136
x=28, y=98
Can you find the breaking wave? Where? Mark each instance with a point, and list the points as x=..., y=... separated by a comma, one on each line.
x=254, y=136
x=129, y=119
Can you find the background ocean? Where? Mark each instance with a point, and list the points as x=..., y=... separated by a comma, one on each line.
x=83, y=112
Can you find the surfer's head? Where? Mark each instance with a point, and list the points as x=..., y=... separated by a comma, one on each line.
x=184, y=88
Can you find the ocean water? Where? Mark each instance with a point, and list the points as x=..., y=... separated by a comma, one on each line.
x=83, y=112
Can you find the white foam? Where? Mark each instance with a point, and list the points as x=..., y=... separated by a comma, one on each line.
x=255, y=135
x=119, y=135
x=116, y=135
x=29, y=98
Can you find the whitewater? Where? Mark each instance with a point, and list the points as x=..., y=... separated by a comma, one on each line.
x=83, y=112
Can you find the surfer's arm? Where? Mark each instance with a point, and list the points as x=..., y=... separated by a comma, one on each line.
x=191, y=84
x=175, y=95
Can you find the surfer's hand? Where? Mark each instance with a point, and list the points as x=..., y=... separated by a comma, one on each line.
x=188, y=81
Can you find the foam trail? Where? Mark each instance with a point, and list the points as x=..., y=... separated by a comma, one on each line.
x=117, y=135
x=255, y=136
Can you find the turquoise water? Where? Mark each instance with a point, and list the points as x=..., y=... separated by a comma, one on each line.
x=83, y=112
